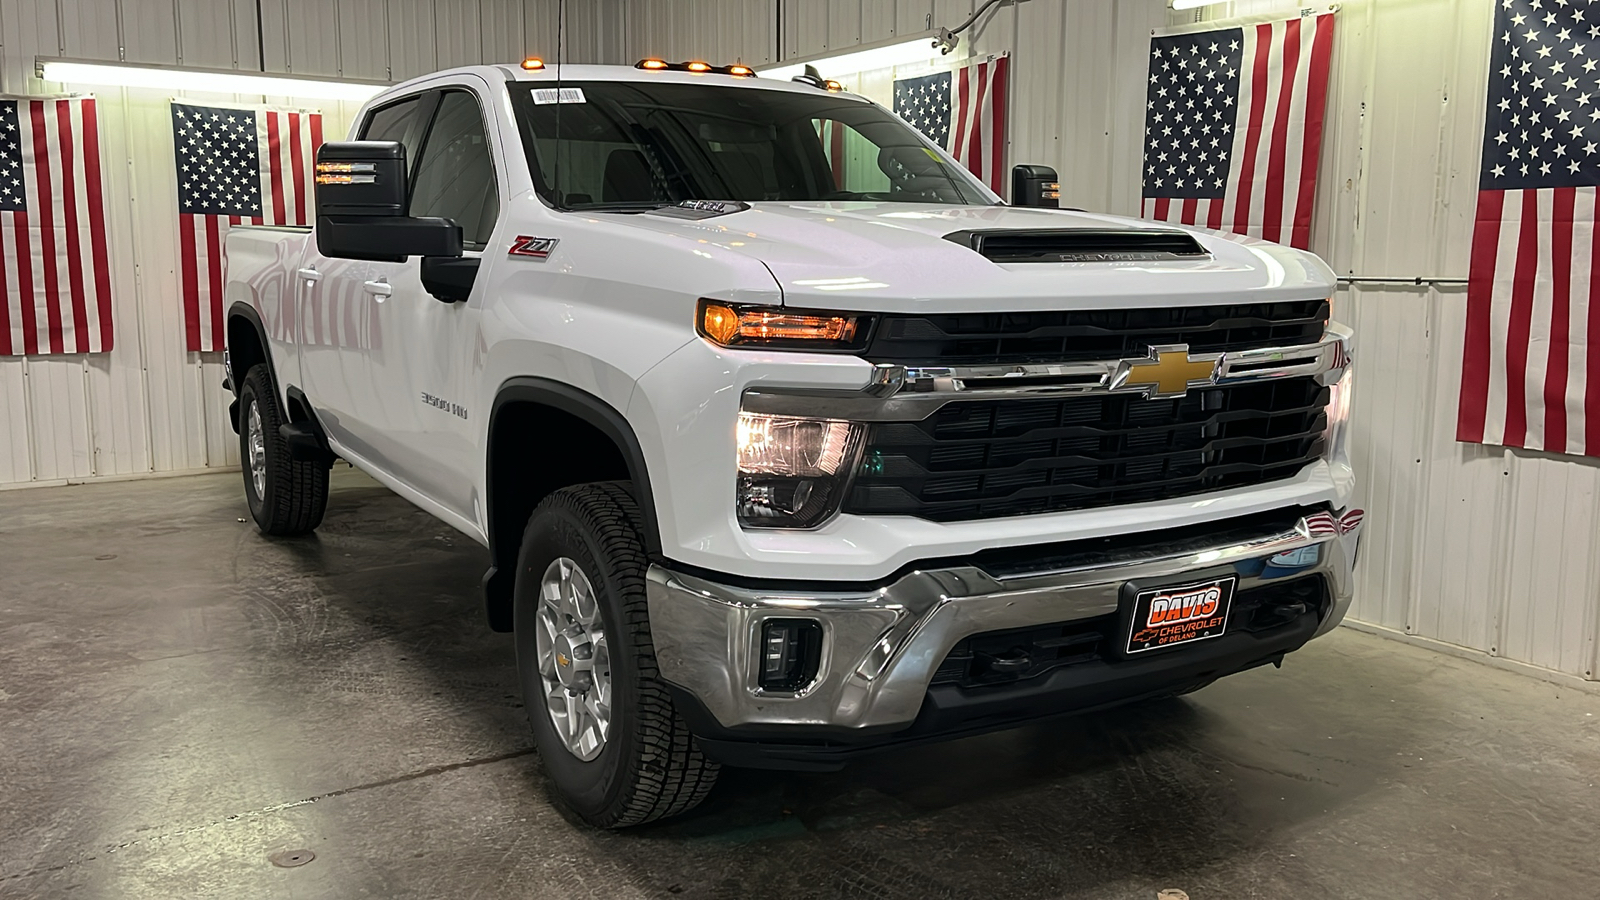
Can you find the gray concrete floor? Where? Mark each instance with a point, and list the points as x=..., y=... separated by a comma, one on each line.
x=180, y=698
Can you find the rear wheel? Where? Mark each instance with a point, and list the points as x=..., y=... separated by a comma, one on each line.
x=615, y=750
x=286, y=496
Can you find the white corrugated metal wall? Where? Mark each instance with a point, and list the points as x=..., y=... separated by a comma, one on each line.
x=1478, y=547
x=150, y=406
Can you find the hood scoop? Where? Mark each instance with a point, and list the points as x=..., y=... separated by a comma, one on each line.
x=1080, y=245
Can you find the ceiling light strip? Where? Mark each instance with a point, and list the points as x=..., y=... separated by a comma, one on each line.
x=210, y=81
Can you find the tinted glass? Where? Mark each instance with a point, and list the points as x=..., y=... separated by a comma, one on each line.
x=455, y=178
x=393, y=123
x=636, y=145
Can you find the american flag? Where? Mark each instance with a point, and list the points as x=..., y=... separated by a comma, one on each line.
x=55, y=277
x=963, y=111
x=1233, y=126
x=235, y=166
x=1531, y=363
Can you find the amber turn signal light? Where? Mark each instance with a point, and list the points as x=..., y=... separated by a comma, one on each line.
x=533, y=63
x=730, y=326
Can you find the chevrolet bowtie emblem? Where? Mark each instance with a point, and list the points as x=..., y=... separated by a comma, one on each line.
x=1170, y=371
x=562, y=660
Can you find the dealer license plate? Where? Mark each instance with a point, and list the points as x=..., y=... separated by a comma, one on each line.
x=1180, y=614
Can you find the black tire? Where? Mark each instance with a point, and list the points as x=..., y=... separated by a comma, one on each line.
x=295, y=493
x=649, y=766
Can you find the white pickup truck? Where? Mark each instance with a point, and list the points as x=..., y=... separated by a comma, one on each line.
x=789, y=440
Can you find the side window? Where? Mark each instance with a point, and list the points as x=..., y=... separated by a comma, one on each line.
x=394, y=123
x=455, y=177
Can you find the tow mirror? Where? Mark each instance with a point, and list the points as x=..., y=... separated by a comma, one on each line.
x=361, y=206
x=1035, y=186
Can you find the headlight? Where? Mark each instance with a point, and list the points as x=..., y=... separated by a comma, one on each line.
x=727, y=325
x=792, y=470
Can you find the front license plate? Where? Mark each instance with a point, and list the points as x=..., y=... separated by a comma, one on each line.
x=1180, y=614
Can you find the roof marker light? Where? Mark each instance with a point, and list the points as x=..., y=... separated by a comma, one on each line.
x=533, y=63
x=744, y=71
x=652, y=64
x=698, y=66
x=834, y=85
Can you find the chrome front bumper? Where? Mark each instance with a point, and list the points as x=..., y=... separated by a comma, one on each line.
x=883, y=645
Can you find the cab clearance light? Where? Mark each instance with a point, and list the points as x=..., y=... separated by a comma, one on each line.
x=834, y=85
x=729, y=327
x=533, y=63
x=660, y=65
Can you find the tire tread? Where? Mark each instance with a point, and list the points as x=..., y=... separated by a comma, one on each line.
x=673, y=775
x=299, y=488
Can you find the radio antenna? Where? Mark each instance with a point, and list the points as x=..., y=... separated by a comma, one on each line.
x=561, y=44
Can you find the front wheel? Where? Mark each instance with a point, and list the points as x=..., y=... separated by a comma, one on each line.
x=613, y=746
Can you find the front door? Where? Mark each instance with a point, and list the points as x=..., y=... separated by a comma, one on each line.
x=415, y=381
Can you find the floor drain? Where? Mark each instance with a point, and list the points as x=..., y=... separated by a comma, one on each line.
x=288, y=859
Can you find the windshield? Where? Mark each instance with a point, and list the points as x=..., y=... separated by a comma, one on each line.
x=628, y=145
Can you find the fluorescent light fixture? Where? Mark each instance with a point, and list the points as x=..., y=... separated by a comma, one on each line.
x=1191, y=4
x=210, y=81
x=904, y=53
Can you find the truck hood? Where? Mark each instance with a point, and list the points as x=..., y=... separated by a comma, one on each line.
x=893, y=257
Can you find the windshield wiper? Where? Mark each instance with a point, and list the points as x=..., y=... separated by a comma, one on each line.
x=622, y=206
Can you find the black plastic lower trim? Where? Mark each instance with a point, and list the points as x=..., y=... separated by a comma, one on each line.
x=951, y=711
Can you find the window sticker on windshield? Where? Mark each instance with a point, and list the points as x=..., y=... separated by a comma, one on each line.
x=543, y=96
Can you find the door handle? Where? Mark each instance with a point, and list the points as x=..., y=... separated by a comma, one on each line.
x=379, y=289
x=310, y=274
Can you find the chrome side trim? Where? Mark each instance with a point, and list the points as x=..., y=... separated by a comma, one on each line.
x=912, y=393
x=882, y=646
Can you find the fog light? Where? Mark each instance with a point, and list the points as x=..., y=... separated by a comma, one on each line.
x=790, y=650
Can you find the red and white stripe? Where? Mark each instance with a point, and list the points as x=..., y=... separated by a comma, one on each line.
x=1531, y=361
x=1322, y=524
x=1277, y=136
x=55, y=274
x=978, y=120
x=288, y=143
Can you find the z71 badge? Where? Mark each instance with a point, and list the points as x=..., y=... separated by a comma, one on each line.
x=533, y=247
